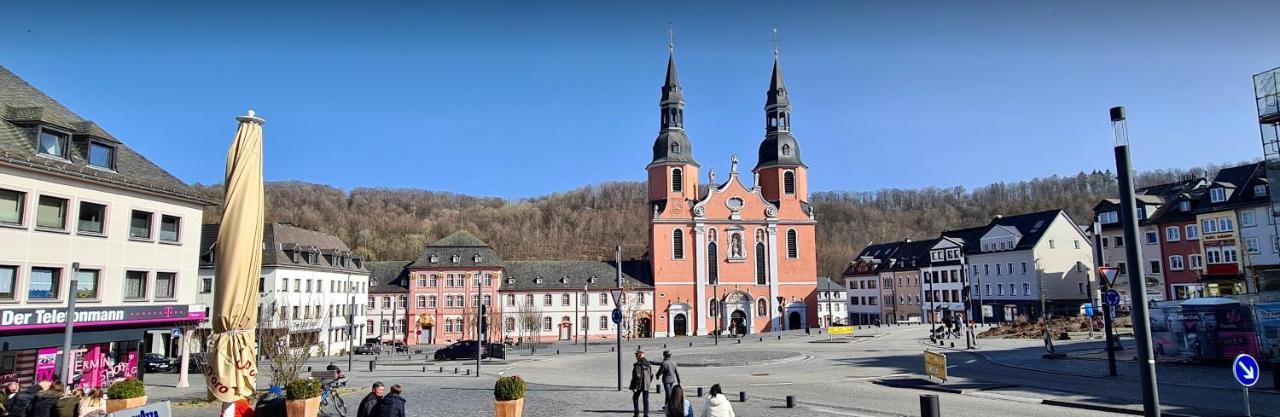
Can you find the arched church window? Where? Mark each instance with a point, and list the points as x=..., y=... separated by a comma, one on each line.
x=677, y=175
x=713, y=274
x=762, y=276
x=677, y=244
x=789, y=182
x=792, y=249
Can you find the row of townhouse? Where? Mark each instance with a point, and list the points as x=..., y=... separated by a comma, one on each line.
x=1004, y=270
x=1198, y=237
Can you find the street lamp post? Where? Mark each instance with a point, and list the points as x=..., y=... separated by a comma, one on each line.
x=1133, y=253
x=72, y=294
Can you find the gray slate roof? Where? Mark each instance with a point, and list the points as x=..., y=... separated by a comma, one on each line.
x=279, y=241
x=388, y=277
x=462, y=245
x=567, y=275
x=23, y=109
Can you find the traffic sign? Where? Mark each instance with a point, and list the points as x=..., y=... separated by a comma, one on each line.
x=617, y=316
x=1246, y=370
x=1108, y=274
x=617, y=296
x=1111, y=297
x=935, y=365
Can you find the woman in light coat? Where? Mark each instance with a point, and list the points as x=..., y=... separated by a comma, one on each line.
x=717, y=404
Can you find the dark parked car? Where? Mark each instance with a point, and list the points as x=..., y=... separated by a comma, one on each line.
x=155, y=362
x=465, y=349
x=366, y=350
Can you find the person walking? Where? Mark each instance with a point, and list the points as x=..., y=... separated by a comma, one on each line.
x=370, y=400
x=92, y=404
x=44, y=401
x=677, y=406
x=669, y=372
x=391, y=405
x=717, y=404
x=641, y=377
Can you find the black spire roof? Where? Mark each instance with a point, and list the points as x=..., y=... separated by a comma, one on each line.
x=672, y=144
x=779, y=147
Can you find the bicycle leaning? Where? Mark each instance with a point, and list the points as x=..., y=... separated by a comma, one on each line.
x=331, y=403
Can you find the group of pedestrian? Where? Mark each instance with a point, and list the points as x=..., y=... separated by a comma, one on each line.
x=674, y=402
x=380, y=403
x=49, y=398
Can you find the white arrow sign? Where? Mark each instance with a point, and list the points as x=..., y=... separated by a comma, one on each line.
x=1246, y=371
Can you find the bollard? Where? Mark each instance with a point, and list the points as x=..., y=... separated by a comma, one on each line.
x=739, y=341
x=742, y=396
x=455, y=371
x=611, y=348
x=468, y=371
x=440, y=371
x=371, y=364
x=779, y=337
x=690, y=344
x=664, y=345
x=762, y=339
x=699, y=392
x=791, y=401
x=557, y=351
x=308, y=369
x=929, y=406
x=424, y=369
x=953, y=345
x=657, y=388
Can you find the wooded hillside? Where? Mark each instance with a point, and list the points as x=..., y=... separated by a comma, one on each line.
x=586, y=223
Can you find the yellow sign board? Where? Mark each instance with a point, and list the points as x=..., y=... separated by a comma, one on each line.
x=935, y=365
x=838, y=330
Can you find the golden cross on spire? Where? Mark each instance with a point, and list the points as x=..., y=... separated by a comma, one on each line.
x=775, y=42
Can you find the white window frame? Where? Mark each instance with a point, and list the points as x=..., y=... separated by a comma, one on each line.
x=1251, y=245
x=1217, y=194
x=1195, y=261
x=1172, y=234
x=1153, y=238
x=1247, y=219
x=1193, y=232
x=1176, y=263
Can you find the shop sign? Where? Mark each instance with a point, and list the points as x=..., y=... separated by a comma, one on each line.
x=56, y=318
x=46, y=363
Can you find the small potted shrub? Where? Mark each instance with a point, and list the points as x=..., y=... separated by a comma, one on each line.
x=128, y=393
x=302, y=398
x=508, y=396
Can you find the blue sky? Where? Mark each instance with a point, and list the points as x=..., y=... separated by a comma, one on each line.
x=525, y=98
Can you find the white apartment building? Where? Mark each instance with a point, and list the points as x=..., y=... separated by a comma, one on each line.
x=833, y=303
x=312, y=285
x=552, y=293
x=862, y=283
x=78, y=204
x=944, y=281
x=1011, y=257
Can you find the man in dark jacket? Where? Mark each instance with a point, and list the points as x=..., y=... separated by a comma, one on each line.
x=370, y=400
x=42, y=405
x=391, y=405
x=641, y=377
x=18, y=404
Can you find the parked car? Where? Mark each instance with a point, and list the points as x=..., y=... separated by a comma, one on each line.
x=399, y=347
x=366, y=350
x=463, y=349
x=155, y=362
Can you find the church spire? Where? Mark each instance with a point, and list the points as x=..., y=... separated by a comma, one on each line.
x=672, y=145
x=777, y=105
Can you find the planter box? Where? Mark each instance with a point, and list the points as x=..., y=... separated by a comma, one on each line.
x=303, y=408
x=117, y=405
x=507, y=408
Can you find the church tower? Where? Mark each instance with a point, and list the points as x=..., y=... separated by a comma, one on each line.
x=673, y=174
x=782, y=176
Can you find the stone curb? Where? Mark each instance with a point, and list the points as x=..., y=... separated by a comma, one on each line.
x=1105, y=408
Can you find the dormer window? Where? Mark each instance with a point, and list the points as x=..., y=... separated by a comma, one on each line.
x=435, y=259
x=53, y=143
x=786, y=149
x=537, y=280
x=1184, y=206
x=1260, y=190
x=593, y=280
x=1217, y=195
x=102, y=155
x=675, y=147
x=511, y=281
x=476, y=258
x=293, y=256
x=456, y=259
x=564, y=280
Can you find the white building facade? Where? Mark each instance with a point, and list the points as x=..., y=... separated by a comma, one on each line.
x=311, y=284
x=540, y=300
x=833, y=302
x=78, y=204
